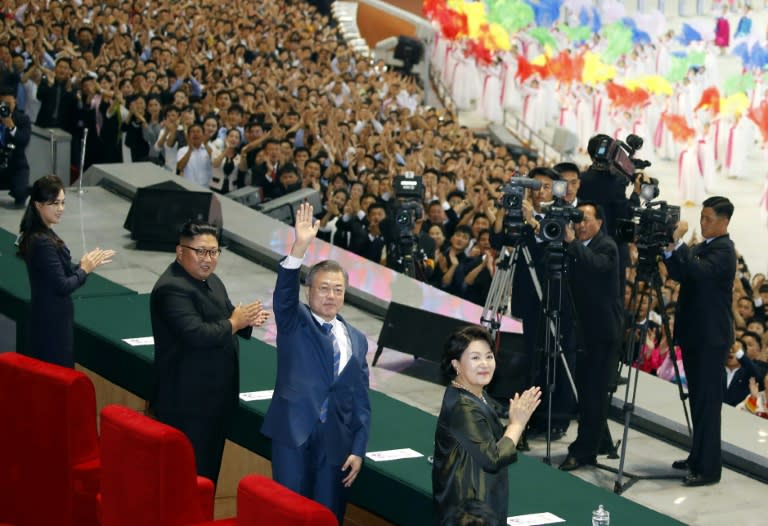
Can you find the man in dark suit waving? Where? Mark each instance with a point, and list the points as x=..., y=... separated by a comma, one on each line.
x=593, y=275
x=196, y=349
x=704, y=331
x=319, y=418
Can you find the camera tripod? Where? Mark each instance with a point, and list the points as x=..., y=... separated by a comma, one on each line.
x=648, y=273
x=497, y=302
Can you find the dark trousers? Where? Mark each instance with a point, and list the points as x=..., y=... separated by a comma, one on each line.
x=705, y=373
x=207, y=433
x=596, y=367
x=17, y=182
x=307, y=471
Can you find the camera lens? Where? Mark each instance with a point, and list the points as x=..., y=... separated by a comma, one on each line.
x=551, y=230
x=403, y=218
x=511, y=201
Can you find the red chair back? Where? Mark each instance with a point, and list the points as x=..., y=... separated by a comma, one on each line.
x=261, y=500
x=148, y=472
x=48, y=444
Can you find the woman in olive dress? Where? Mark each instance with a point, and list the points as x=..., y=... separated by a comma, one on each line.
x=472, y=447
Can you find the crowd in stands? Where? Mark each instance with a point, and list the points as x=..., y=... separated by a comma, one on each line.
x=268, y=94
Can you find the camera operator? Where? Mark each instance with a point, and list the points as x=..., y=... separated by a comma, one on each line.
x=607, y=188
x=603, y=186
x=593, y=267
x=527, y=306
x=570, y=173
x=704, y=331
x=15, y=132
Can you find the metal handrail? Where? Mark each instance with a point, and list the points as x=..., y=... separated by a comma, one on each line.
x=532, y=138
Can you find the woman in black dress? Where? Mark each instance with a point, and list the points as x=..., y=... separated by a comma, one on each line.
x=52, y=277
x=472, y=447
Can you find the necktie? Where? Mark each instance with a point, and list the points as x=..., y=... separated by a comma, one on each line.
x=55, y=113
x=328, y=330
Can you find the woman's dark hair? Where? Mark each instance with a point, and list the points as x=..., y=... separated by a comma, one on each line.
x=45, y=190
x=458, y=342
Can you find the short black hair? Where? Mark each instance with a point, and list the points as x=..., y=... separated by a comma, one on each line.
x=566, y=167
x=721, y=205
x=377, y=204
x=599, y=211
x=753, y=335
x=458, y=342
x=193, y=228
x=464, y=229
x=543, y=171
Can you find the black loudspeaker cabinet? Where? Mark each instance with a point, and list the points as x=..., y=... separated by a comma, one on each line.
x=158, y=211
x=422, y=334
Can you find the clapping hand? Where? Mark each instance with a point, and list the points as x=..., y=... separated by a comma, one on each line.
x=250, y=315
x=95, y=258
x=522, y=406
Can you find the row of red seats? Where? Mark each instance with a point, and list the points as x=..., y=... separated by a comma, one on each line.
x=56, y=469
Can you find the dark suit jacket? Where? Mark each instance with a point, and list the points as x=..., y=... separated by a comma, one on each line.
x=16, y=175
x=593, y=275
x=703, y=316
x=471, y=458
x=305, y=379
x=52, y=279
x=196, y=354
x=259, y=178
x=47, y=96
x=738, y=389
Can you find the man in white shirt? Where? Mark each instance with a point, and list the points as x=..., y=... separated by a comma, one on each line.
x=193, y=161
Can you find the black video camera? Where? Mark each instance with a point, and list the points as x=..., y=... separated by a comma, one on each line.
x=513, y=195
x=651, y=229
x=617, y=156
x=409, y=191
x=559, y=214
x=5, y=109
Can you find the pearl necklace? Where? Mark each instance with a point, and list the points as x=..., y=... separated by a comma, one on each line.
x=460, y=385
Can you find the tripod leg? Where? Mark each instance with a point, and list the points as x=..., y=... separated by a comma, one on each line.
x=673, y=355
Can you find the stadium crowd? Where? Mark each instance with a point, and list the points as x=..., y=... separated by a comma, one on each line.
x=231, y=94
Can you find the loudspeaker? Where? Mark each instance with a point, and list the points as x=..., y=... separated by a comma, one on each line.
x=412, y=331
x=409, y=50
x=158, y=211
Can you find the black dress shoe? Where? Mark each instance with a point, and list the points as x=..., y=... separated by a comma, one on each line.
x=570, y=463
x=680, y=464
x=694, y=480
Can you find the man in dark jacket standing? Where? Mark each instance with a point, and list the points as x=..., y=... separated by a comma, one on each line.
x=593, y=267
x=196, y=348
x=15, y=132
x=704, y=331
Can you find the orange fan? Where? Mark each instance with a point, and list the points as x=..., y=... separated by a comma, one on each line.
x=710, y=100
x=678, y=127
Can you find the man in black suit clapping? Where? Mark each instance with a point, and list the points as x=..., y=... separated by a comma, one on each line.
x=196, y=329
x=704, y=331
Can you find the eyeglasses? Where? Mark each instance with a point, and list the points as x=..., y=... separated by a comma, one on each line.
x=325, y=290
x=212, y=253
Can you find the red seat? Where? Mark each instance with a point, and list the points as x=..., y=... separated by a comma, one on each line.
x=262, y=501
x=148, y=474
x=48, y=446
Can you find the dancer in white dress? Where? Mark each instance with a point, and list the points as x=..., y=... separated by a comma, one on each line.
x=690, y=180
